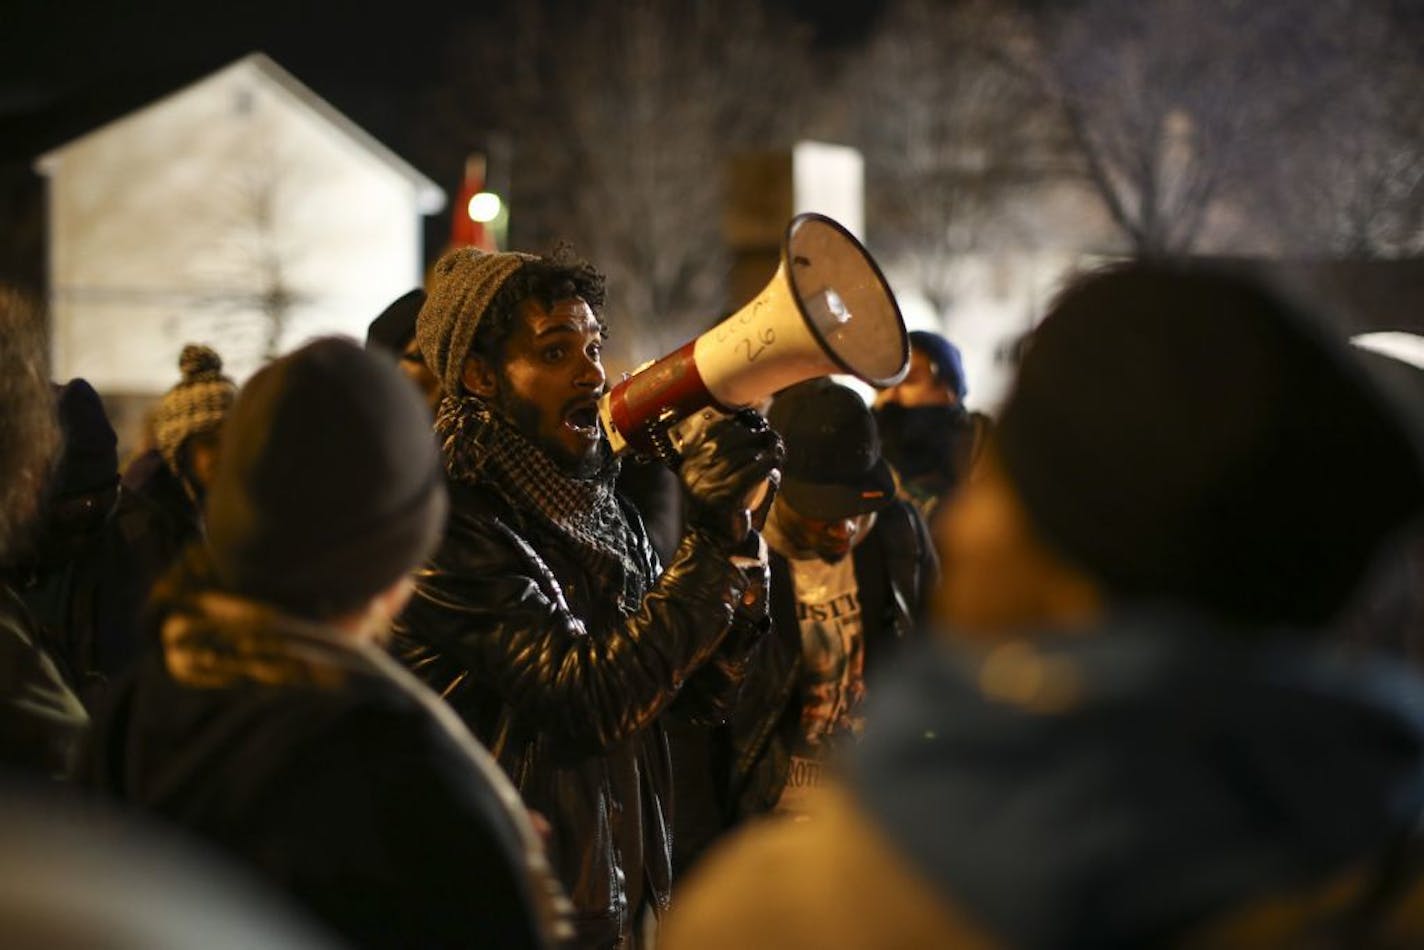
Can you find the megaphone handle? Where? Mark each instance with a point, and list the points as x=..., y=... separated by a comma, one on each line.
x=662, y=447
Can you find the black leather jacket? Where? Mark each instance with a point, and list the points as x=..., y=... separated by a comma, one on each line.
x=566, y=691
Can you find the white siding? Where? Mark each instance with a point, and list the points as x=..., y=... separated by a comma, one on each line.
x=157, y=236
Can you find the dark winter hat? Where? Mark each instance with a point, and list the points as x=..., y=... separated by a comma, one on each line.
x=944, y=356
x=395, y=327
x=197, y=404
x=833, y=466
x=462, y=284
x=89, y=460
x=1185, y=434
x=328, y=488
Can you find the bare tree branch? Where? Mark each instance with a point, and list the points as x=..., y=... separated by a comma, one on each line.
x=621, y=113
x=952, y=124
x=1166, y=100
x=1348, y=177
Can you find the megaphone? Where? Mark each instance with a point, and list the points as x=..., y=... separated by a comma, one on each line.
x=827, y=310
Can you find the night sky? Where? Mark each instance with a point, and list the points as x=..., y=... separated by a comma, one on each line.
x=372, y=60
x=68, y=66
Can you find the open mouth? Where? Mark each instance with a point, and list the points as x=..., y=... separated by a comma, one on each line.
x=583, y=420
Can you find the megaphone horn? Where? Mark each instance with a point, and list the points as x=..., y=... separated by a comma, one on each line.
x=827, y=310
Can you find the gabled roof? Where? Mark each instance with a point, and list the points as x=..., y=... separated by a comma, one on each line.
x=430, y=197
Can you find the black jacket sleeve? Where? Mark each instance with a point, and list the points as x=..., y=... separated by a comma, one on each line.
x=712, y=693
x=488, y=601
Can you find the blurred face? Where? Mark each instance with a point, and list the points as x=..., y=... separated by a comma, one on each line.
x=920, y=386
x=201, y=457
x=998, y=578
x=412, y=364
x=549, y=382
x=829, y=540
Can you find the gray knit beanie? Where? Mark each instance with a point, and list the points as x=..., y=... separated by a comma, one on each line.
x=329, y=486
x=462, y=284
x=197, y=404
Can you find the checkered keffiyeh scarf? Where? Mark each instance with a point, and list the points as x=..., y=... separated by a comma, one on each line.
x=477, y=444
x=197, y=404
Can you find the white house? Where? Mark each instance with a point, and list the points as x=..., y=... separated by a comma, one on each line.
x=242, y=211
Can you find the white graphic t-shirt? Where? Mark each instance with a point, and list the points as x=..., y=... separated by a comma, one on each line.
x=833, y=677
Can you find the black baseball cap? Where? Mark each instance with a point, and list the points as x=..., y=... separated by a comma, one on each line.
x=833, y=468
x=395, y=327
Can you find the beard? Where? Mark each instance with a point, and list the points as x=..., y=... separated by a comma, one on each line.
x=525, y=417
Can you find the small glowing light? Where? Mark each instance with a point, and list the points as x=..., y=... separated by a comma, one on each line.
x=485, y=207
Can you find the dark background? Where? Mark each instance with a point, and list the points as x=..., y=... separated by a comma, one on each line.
x=373, y=61
x=67, y=67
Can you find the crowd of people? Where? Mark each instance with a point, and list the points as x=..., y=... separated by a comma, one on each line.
x=382, y=643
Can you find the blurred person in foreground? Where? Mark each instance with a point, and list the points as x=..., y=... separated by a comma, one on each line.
x=274, y=725
x=930, y=439
x=1130, y=730
x=73, y=875
x=41, y=720
x=544, y=618
x=1388, y=614
x=393, y=332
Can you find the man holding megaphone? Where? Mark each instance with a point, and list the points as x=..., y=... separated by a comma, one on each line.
x=544, y=618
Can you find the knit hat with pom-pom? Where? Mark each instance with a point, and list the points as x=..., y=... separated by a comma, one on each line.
x=196, y=405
